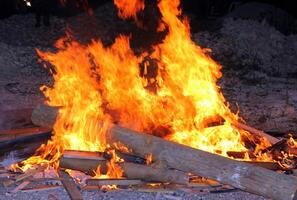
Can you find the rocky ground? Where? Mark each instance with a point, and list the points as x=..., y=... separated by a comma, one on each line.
x=259, y=65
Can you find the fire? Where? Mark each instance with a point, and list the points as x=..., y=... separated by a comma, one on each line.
x=175, y=97
x=129, y=8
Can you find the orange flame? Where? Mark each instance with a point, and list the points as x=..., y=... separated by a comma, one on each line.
x=176, y=97
x=129, y=8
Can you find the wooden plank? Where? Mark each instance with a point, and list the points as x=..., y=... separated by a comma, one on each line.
x=121, y=182
x=24, y=176
x=241, y=175
x=252, y=130
x=70, y=186
x=153, y=173
x=21, y=186
x=84, y=155
x=87, y=165
x=29, y=173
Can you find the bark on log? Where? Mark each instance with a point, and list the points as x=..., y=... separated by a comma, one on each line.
x=131, y=170
x=238, y=174
x=153, y=173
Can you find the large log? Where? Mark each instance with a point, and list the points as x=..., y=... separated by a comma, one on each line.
x=155, y=173
x=238, y=174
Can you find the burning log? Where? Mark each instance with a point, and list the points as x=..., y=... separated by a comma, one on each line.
x=154, y=173
x=83, y=162
x=238, y=174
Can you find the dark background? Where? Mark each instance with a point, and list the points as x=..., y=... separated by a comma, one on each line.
x=201, y=8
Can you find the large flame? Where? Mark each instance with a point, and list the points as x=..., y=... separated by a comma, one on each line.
x=173, y=93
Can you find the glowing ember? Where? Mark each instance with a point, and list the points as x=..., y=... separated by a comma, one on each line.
x=96, y=86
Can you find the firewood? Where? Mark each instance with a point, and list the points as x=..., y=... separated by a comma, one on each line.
x=241, y=175
x=70, y=186
x=20, y=187
x=121, y=182
x=155, y=173
x=252, y=130
x=238, y=174
x=86, y=163
x=29, y=173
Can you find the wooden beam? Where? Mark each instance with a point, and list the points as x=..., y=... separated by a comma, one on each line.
x=153, y=173
x=83, y=161
x=70, y=186
x=238, y=174
x=254, y=131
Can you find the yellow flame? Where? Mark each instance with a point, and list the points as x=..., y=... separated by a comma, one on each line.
x=96, y=85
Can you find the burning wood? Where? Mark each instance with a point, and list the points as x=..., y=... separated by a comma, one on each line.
x=238, y=174
x=177, y=99
x=86, y=163
x=155, y=173
x=196, y=161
